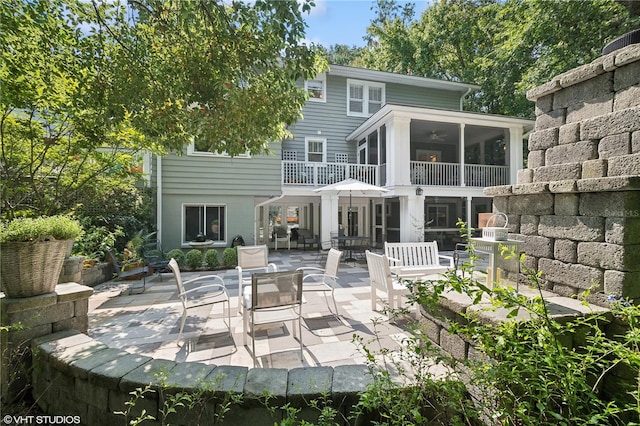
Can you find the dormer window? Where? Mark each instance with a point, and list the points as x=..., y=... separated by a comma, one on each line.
x=317, y=88
x=365, y=98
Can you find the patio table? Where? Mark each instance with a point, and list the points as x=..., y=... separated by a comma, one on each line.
x=349, y=243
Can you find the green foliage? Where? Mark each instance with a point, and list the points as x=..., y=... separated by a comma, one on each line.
x=230, y=256
x=194, y=258
x=94, y=240
x=178, y=255
x=33, y=229
x=506, y=47
x=211, y=257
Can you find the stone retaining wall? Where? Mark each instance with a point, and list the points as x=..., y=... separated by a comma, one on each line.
x=577, y=205
x=76, y=375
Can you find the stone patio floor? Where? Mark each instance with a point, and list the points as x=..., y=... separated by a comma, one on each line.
x=148, y=323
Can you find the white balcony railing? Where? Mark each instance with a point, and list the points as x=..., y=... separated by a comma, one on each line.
x=448, y=174
x=320, y=174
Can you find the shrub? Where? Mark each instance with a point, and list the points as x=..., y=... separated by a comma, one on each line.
x=178, y=255
x=211, y=257
x=194, y=259
x=95, y=240
x=230, y=256
x=32, y=229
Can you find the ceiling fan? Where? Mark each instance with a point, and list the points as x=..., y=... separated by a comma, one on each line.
x=435, y=136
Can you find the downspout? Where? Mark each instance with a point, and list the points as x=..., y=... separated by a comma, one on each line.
x=255, y=215
x=159, y=198
x=464, y=96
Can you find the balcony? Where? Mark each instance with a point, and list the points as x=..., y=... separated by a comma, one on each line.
x=321, y=174
x=422, y=173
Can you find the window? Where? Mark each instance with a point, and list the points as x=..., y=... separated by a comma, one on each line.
x=317, y=88
x=199, y=149
x=204, y=218
x=364, y=98
x=315, y=149
x=437, y=215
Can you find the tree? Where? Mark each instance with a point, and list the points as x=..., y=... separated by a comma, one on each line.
x=507, y=47
x=87, y=88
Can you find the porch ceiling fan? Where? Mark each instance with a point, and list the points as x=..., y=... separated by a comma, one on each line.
x=435, y=136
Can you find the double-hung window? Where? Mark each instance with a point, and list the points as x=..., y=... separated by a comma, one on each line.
x=316, y=149
x=208, y=219
x=317, y=88
x=364, y=97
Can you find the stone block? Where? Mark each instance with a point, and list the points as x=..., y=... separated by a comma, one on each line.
x=609, y=256
x=572, y=274
x=565, y=250
x=610, y=124
x=566, y=204
x=524, y=176
x=188, y=375
x=581, y=74
x=81, y=308
x=614, y=145
x=453, y=344
x=69, y=292
x=547, y=120
x=544, y=105
x=563, y=186
x=544, y=91
x=635, y=142
x=108, y=375
x=307, y=384
x=578, y=228
x=582, y=91
x=625, y=284
x=543, y=139
x=431, y=328
x=627, y=76
x=609, y=184
x=590, y=108
x=535, y=159
x=118, y=400
x=530, y=188
x=622, y=230
x=273, y=381
x=615, y=204
x=535, y=204
x=569, y=133
x=80, y=367
x=20, y=304
x=228, y=378
x=501, y=204
x=627, y=55
x=95, y=396
x=349, y=382
x=567, y=171
x=537, y=246
x=150, y=373
x=627, y=98
x=76, y=323
x=571, y=153
x=529, y=224
x=594, y=169
x=495, y=191
x=625, y=165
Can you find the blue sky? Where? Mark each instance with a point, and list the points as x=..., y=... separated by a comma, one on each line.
x=344, y=21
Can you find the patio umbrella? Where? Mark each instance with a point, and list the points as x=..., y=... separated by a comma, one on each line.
x=353, y=186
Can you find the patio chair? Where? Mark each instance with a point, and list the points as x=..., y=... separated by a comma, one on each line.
x=128, y=273
x=382, y=280
x=325, y=280
x=281, y=234
x=213, y=291
x=155, y=258
x=251, y=259
x=275, y=297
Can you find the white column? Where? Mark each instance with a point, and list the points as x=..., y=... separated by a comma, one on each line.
x=468, y=219
x=514, y=154
x=411, y=218
x=329, y=213
x=398, y=151
x=461, y=148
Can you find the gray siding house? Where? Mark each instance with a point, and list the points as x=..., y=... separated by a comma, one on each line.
x=406, y=134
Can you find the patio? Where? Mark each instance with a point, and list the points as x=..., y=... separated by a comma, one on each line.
x=148, y=323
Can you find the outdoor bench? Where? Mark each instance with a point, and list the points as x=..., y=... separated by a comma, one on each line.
x=416, y=259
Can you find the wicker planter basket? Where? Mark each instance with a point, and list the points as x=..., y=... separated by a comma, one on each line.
x=496, y=233
x=31, y=268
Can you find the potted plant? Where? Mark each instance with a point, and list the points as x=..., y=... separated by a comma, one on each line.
x=32, y=252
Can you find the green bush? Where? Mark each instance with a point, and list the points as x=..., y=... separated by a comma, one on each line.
x=194, y=258
x=211, y=257
x=32, y=229
x=230, y=256
x=95, y=240
x=178, y=255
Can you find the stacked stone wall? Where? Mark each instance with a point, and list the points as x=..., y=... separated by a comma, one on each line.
x=577, y=205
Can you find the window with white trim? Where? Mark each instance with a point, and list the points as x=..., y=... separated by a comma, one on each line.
x=315, y=149
x=208, y=219
x=317, y=88
x=364, y=98
x=197, y=149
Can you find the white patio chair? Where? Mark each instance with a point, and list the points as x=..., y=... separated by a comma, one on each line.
x=325, y=280
x=382, y=280
x=281, y=234
x=275, y=297
x=251, y=259
x=213, y=291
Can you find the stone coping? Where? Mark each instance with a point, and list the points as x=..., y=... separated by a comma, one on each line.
x=603, y=184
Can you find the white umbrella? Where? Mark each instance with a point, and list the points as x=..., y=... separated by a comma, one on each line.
x=353, y=186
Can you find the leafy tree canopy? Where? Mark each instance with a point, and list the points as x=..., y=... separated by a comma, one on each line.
x=85, y=88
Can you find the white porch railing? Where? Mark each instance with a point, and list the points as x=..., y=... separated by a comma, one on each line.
x=320, y=174
x=448, y=174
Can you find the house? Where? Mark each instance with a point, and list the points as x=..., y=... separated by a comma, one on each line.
x=407, y=134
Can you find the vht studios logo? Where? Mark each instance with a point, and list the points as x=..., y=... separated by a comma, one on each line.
x=41, y=420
